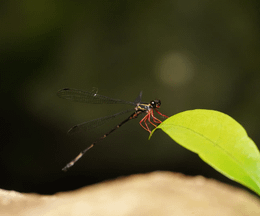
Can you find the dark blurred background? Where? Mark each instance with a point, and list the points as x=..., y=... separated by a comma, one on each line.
x=190, y=54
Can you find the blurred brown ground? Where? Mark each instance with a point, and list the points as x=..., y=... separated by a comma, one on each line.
x=157, y=193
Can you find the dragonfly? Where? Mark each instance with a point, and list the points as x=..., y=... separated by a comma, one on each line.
x=94, y=98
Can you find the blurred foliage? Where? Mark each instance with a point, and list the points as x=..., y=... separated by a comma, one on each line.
x=190, y=54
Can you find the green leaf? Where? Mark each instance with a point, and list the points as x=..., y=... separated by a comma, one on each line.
x=218, y=140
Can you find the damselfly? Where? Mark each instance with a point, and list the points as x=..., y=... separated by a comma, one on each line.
x=94, y=98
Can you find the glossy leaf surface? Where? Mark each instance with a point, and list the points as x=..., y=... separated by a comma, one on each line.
x=218, y=140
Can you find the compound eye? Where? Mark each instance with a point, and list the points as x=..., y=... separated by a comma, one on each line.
x=157, y=103
x=153, y=104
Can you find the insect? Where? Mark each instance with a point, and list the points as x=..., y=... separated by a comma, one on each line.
x=94, y=98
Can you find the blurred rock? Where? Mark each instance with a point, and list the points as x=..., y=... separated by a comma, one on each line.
x=157, y=193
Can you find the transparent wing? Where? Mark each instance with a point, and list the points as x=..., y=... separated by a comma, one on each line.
x=89, y=97
x=139, y=98
x=94, y=123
